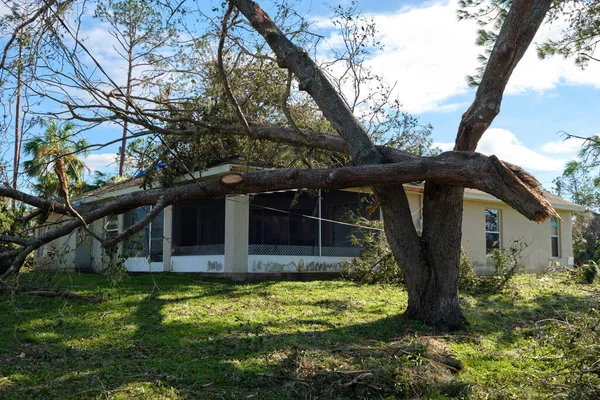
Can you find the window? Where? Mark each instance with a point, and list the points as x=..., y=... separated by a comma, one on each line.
x=492, y=230
x=554, y=237
x=111, y=228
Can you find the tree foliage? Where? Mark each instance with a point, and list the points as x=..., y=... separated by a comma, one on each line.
x=57, y=144
x=579, y=183
x=580, y=34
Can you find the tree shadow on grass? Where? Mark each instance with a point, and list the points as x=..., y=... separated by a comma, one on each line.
x=507, y=315
x=237, y=341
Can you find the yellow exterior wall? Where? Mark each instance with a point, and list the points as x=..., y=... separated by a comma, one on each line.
x=513, y=227
x=536, y=255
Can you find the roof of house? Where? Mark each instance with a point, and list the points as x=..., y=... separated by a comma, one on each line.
x=557, y=202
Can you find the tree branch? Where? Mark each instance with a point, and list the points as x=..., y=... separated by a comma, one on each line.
x=312, y=80
x=516, y=34
x=47, y=4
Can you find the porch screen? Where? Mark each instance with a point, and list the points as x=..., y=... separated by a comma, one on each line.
x=280, y=224
x=287, y=223
x=343, y=207
x=199, y=228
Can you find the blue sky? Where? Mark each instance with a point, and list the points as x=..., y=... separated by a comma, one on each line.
x=428, y=54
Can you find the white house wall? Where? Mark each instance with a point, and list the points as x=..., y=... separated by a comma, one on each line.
x=212, y=263
x=537, y=254
x=271, y=263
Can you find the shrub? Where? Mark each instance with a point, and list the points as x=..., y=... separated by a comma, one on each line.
x=376, y=263
x=467, y=278
x=588, y=272
x=507, y=262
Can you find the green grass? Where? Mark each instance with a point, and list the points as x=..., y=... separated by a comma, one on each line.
x=175, y=336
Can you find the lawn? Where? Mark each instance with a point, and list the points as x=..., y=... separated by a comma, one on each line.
x=179, y=336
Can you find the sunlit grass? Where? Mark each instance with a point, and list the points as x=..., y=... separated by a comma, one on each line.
x=176, y=336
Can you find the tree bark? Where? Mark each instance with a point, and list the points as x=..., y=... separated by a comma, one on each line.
x=18, y=141
x=437, y=302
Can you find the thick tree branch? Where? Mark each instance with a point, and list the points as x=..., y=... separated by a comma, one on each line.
x=312, y=80
x=461, y=169
x=14, y=239
x=516, y=34
x=38, y=202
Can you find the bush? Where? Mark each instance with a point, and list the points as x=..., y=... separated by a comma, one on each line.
x=588, y=272
x=507, y=262
x=376, y=263
x=467, y=278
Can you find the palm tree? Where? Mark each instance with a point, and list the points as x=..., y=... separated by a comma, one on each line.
x=55, y=159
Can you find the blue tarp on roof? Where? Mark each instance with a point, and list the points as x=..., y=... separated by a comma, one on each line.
x=158, y=166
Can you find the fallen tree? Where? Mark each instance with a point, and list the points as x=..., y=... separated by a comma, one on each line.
x=429, y=261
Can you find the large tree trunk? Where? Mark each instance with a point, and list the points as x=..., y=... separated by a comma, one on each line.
x=429, y=262
x=436, y=302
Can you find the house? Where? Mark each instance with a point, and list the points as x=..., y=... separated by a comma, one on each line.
x=290, y=232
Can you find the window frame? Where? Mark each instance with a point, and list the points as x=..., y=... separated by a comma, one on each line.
x=553, y=236
x=111, y=229
x=498, y=232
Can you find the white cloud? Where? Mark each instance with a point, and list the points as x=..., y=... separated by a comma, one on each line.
x=429, y=53
x=568, y=146
x=101, y=161
x=505, y=145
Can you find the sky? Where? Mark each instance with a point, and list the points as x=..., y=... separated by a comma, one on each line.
x=427, y=55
